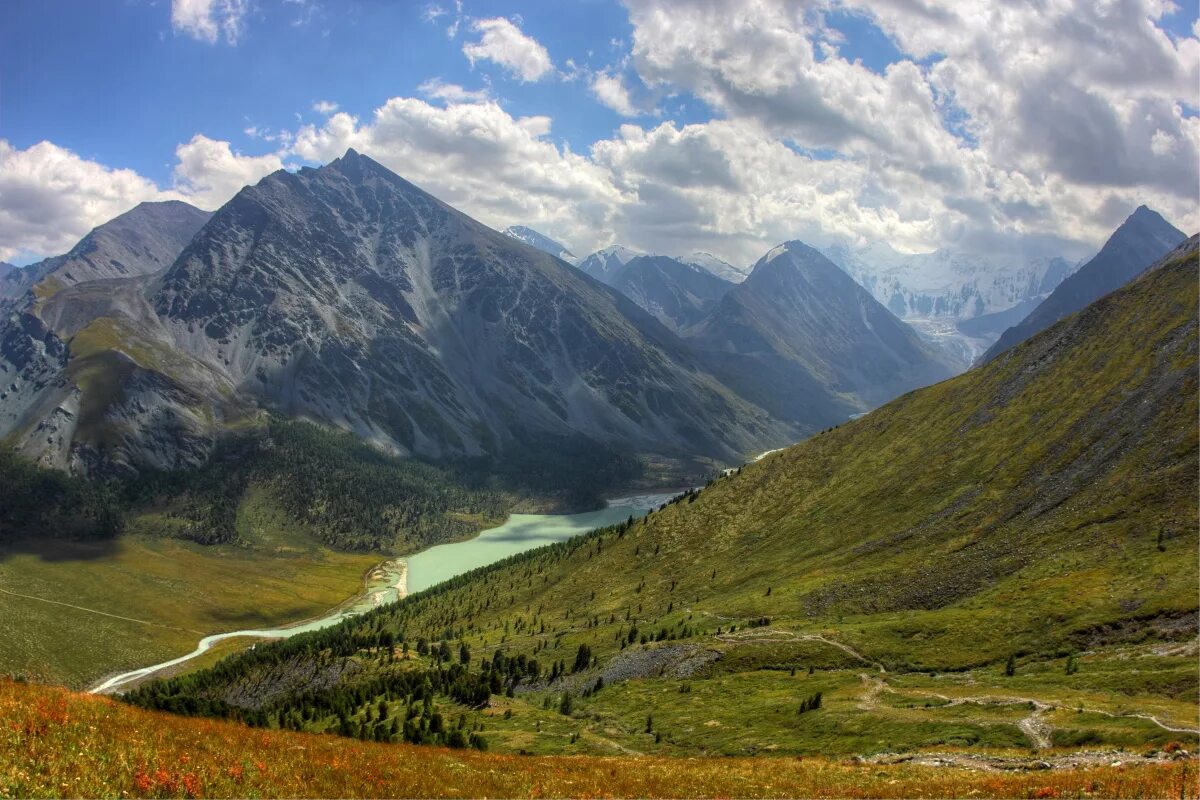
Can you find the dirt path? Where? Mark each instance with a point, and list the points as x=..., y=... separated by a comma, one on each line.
x=1036, y=729
x=872, y=688
x=989, y=763
x=767, y=635
x=1035, y=726
x=101, y=613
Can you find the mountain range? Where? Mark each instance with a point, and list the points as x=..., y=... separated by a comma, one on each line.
x=800, y=337
x=348, y=296
x=958, y=301
x=796, y=335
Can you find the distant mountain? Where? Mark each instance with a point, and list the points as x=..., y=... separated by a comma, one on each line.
x=348, y=296
x=1141, y=240
x=603, y=265
x=948, y=283
x=544, y=243
x=939, y=293
x=722, y=269
x=803, y=340
x=679, y=295
x=143, y=240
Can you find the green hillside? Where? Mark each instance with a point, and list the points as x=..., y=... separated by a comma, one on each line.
x=1003, y=560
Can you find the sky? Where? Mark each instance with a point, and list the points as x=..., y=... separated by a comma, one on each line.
x=669, y=126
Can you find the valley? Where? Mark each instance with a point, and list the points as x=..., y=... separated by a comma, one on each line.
x=912, y=582
x=608, y=399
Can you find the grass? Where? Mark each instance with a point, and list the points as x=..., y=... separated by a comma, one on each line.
x=55, y=743
x=186, y=590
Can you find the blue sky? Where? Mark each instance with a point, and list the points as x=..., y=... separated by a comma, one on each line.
x=665, y=125
x=114, y=82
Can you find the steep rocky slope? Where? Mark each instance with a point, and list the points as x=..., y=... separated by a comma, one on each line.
x=90, y=377
x=679, y=295
x=347, y=295
x=141, y=241
x=802, y=339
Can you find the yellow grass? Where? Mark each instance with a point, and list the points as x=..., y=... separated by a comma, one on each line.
x=57, y=743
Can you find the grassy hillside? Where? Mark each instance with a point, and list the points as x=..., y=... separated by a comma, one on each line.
x=55, y=743
x=1005, y=560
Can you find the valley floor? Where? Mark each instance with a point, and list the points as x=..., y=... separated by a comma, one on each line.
x=57, y=743
x=77, y=611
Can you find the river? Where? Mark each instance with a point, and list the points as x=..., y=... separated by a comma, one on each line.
x=394, y=579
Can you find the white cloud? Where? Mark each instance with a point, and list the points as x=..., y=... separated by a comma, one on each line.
x=209, y=172
x=611, y=91
x=209, y=20
x=50, y=197
x=1067, y=113
x=436, y=89
x=324, y=107
x=503, y=43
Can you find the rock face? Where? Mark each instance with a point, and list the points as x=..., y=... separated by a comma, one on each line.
x=347, y=295
x=678, y=295
x=89, y=377
x=542, y=242
x=803, y=340
x=1141, y=240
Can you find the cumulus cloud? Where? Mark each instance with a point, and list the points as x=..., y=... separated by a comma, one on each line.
x=324, y=107
x=1050, y=120
x=503, y=43
x=997, y=126
x=611, y=91
x=209, y=20
x=209, y=172
x=50, y=198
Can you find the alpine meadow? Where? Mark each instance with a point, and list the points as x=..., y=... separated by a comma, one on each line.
x=630, y=398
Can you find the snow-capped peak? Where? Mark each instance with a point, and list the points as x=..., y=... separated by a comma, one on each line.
x=542, y=242
x=716, y=266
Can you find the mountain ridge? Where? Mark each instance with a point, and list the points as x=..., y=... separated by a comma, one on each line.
x=346, y=295
x=1140, y=240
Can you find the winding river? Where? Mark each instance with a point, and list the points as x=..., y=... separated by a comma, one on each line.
x=392, y=580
